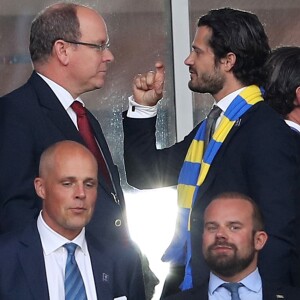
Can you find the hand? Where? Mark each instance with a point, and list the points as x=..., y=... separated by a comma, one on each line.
x=148, y=87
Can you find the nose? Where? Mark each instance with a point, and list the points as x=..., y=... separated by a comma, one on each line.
x=188, y=60
x=80, y=191
x=221, y=233
x=108, y=56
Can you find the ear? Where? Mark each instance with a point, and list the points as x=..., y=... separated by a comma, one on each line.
x=297, y=100
x=260, y=239
x=228, y=61
x=61, y=51
x=39, y=187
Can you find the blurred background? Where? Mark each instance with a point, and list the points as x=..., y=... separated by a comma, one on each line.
x=142, y=32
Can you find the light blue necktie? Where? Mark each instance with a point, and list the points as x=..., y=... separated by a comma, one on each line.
x=74, y=286
x=233, y=288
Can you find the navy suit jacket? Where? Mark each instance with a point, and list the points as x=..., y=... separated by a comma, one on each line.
x=258, y=158
x=32, y=118
x=117, y=270
x=269, y=293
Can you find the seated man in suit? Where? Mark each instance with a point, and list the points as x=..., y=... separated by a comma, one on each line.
x=41, y=261
x=232, y=237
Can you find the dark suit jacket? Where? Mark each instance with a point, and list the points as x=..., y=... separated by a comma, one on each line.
x=32, y=118
x=257, y=158
x=23, y=274
x=270, y=292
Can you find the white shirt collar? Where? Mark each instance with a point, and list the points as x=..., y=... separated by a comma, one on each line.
x=251, y=282
x=51, y=240
x=62, y=94
x=293, y=125
x=226, y=101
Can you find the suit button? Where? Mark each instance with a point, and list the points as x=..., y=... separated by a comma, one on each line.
x=118, y=222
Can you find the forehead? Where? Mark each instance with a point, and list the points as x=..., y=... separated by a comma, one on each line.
x=75, y=163
x=226, y=210
x=91, y=24
x=202, y=36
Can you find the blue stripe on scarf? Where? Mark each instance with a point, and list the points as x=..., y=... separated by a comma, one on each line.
x=211, y=151
x=189, y=173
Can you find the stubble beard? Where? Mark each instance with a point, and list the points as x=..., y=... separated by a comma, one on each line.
x=207, y=83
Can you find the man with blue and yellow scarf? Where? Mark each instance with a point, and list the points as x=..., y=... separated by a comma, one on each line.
x=251, y=150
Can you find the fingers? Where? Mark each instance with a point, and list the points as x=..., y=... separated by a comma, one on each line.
x=159, y=77
x=148, y=87
x=145, y=81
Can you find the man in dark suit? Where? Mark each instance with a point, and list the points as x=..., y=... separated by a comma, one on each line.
x=251, y=150
x=282, y=92
x=69, y=47
x=34, y=261
x=232, y=237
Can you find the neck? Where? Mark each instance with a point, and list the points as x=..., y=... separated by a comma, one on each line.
x=228, y=89
x=238, y=276
x=294, y=115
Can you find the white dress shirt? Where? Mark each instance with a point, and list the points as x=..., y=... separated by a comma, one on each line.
x=64, y=97
x=55, y=256
x=251, y=289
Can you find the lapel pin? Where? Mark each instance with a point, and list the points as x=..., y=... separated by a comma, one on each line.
x=105, y=277
x=238, y=122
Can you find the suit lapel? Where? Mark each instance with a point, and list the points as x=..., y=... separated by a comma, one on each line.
x=53, y=109
x=216, y=164
x=32, y=263
x=104, y=149
x=102, y=269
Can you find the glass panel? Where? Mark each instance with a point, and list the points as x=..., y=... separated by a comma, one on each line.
x=281, y=20
x=140, y=34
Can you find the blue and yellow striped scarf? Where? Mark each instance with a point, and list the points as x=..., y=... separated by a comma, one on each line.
x=194, y=171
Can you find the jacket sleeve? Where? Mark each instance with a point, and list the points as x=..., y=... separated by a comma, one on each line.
x=146, y=166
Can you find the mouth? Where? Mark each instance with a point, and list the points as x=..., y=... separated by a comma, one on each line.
x=222, y=247
x=78, y=210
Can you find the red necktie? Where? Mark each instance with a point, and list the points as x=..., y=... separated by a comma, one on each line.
x=86, y=132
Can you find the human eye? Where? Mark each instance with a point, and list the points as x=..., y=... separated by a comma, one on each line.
x=211, y=227
x=235, y=227
x=196, y=50
x=90, y=184
x=102, y=47
x=66, y=183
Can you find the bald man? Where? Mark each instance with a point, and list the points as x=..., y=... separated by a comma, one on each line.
x=34, y=261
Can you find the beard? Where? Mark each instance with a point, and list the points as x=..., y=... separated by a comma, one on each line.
x=210, y=83
x=228, y=265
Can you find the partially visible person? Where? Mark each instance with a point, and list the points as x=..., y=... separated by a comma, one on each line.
x=248, y=150
x=233, y=236
x=282, y=92
x=35, y=261
x=282, y=84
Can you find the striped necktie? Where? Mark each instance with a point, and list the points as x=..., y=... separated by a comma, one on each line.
x=74, y=286
x=233, y=288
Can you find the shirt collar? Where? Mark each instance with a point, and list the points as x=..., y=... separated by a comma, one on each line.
x=251, y=282
x=293, y=125
x=52, y=241
x=64, y=97
x=226, y=101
